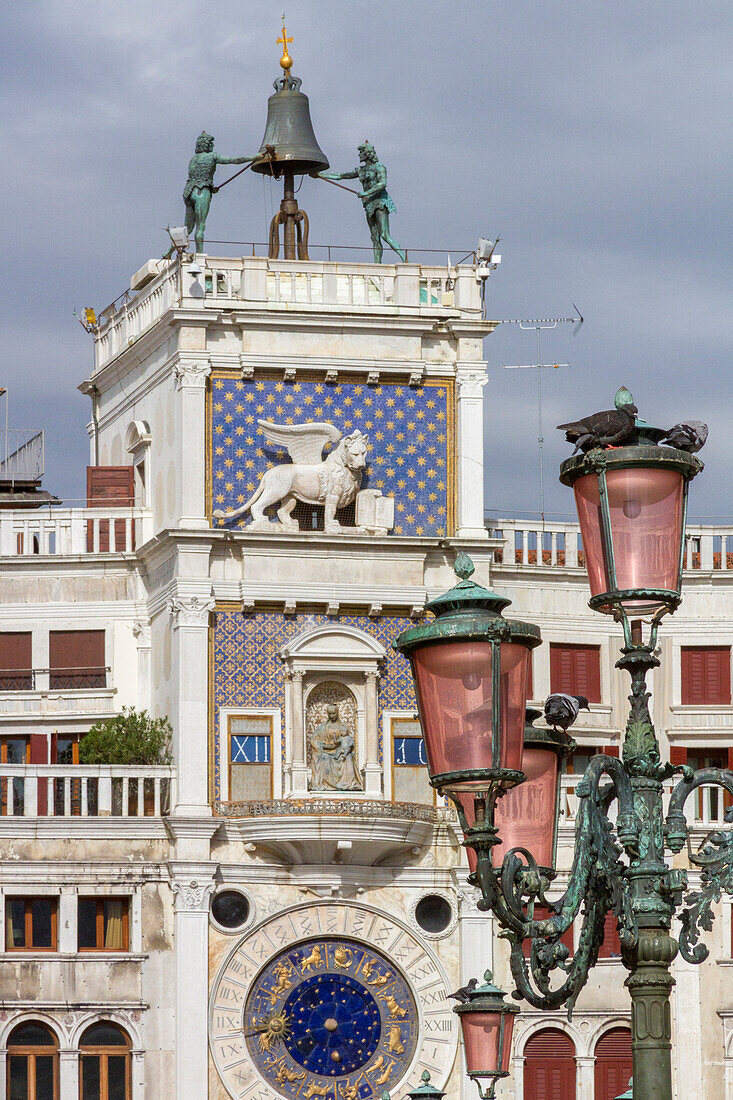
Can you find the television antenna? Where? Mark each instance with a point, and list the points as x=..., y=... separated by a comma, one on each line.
x=540, y=324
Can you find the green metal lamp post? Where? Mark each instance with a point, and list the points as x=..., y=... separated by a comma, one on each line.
x=470, y=667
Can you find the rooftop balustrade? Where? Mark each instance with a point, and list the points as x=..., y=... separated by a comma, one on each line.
x=558, y=546
x=251, y=282
x=25, y=532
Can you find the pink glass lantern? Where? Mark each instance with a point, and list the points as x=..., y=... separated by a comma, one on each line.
x=487, y=1023
x=631, y=504
x=471, y=672
x=527, y=815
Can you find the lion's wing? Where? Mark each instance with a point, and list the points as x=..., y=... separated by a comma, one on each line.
x=304, y=442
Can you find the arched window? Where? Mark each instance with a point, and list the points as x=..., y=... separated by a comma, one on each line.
x=33, y=1063
x=105, y=1063
x=613, y=1063
x=549, y=1065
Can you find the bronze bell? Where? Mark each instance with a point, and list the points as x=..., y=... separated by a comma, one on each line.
x=289, y=148
x=289, y=141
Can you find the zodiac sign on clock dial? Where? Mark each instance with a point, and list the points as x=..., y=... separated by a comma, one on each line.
x=315, y=1026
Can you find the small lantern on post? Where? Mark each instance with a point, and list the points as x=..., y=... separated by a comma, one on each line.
x=487, y=1023
x=425, y=1091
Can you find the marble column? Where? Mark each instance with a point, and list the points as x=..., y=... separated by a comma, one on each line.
x=141, y=632
x=192, y=886
x=470, y=380
x=585, y=1077
x=192, y=371
x=476, y=955
x=299, y=769
x=190, y=623
x=372, y=767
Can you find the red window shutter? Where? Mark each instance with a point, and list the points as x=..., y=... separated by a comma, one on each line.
x=706, y=675
x=677, y=755
x=610, y=750
x=613, y=1063
x=109, y=487
x=611, y=946
x=541, y=912
x=38, y=754
x=549, y=1066
x=15, y=662
x=77, y=659
x=576, y=669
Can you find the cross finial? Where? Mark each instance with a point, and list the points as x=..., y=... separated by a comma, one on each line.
x=286, y=61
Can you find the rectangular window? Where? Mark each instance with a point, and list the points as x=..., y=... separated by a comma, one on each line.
x=409, y=763
x=30, y=924
x=16, y=664
x=576, y=670
x=77, y=659
x=250, y=757
x=103, y=924
x=706, y=675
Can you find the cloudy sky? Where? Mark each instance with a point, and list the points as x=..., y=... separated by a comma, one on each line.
x=594, y=137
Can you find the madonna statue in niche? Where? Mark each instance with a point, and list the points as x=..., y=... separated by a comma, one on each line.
x=333, y=763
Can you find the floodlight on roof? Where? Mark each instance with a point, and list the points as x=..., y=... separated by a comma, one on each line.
x=179, y=237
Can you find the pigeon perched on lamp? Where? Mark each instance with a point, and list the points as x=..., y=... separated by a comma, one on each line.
x=688, y=435
x=561, y=710
x=463, y=994
x=609, y=428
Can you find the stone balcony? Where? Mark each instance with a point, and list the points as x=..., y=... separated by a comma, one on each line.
x=27, y=533
x=85, y=791
x=337, y=831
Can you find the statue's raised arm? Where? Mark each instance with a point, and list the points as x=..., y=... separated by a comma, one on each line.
x=375, y=198
x=200, y=185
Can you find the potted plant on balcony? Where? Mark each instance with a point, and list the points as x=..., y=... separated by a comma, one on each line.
x=132, y=738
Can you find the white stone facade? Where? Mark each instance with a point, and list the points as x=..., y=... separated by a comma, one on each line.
x=215, y=625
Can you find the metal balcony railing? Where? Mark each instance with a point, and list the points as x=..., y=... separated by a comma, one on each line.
x=58, y=679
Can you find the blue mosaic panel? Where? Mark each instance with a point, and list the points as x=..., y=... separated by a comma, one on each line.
x=248, y=671
x=408, y=430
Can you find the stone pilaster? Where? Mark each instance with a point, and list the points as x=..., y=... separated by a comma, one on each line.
x=470, y=381
x=372, y=767
x=192, y=372
x=190, y=624
x=192, y=885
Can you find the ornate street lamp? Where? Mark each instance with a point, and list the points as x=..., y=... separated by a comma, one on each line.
x=487, y=1023
x=468, y=668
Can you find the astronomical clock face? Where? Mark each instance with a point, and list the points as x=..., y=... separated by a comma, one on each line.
x=330, y=1016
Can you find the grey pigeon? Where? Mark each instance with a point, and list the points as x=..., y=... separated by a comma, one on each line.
x=609, y=428
x=561, y=710
x=463, y=994
x=688, y=435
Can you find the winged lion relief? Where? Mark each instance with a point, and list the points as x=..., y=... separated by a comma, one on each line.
x=332, y=482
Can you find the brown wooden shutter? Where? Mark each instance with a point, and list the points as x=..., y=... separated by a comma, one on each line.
x=15, y=661
x=613, y=1063
x=677, y=755
x=109, y=487
x=549, y=1066
x=610, y=750
x=77, y=659
x=706, y=675
x=576, y=670
x=38, y=754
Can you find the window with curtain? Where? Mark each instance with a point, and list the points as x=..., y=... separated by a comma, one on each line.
x=103, y=924
x=105, y=1072
x=33, y=1072
x=30, y=924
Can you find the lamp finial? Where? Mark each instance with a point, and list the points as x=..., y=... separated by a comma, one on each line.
x=286, y=61
x=463, y=566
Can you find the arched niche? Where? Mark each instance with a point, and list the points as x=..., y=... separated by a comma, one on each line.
x=349, y=660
